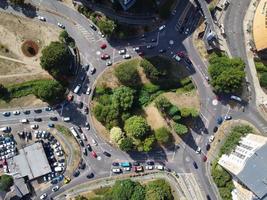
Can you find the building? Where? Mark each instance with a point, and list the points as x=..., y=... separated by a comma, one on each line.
x=31, y=162
x=248, y=166
x=260, y=29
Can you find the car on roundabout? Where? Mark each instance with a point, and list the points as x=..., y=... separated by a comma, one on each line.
x=60, y=25
x=90, y=175
x=41, y=18
x=109, y=63
x=54, y=189
x=66, y=180
x=43, y=196
x=103, y=46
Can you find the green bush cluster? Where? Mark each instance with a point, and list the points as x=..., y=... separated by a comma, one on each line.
x=163, y=135
x=262, y=73
x=6, y=182
x=227, y=74
x=148, y=93
x=64, y=37
x=130, y=190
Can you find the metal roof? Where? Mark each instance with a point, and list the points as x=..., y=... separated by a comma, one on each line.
x=31, y=162
x=254, y=173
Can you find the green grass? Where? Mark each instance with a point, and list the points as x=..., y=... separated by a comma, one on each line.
x=64, y=130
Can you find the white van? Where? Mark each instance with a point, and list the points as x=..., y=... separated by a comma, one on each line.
x=66, y=119
x=24, y=121
x=77, y=88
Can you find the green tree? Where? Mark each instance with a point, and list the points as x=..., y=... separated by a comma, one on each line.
x=162, y=135
x=126, y=144
x=50, y=91
x=148, y=143
x=123, y=98
x=65, y=38
x=139, y=192
x=6, y=182
x=150, y=70
x=263, y=79
x=185, y=112
x=173, y=110
x=127, y=75
x=180, y=129
x=158, y=190
x=17, y=2
x=123, y=189
x=137, y=127
x=107, y=115
x=106, y=26
x=116, y=134
x=163, y=104
x=3, y=91
x=56, y=59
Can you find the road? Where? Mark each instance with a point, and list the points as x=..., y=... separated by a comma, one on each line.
x=177, y=36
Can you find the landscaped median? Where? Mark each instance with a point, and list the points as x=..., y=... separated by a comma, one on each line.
x=226, y=139
x=70, y=147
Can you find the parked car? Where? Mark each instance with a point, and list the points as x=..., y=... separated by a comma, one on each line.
x=105, y=56
x=6, y=114
x=109, y=63
x=204, y=158
x=116, y=164
x=87, y=125
x=122, y=51
x=55, y=188
x=116, y=170
x=60, y=25
x=27, y=112
x=86, y=67
x=138, y=168
x=136, y=48
x=227, y=117
x=93, y=27
x=93, y=154
x=37, y=119
x=177, y=58
x=43, y=196
x=215, y=129
x=80, y=104
x=107, y=154
x=88, y=91
x=38, y=110
x=149, y=167
x=150, y=163
x=16, y=112
x=76, y=173
x=103, y=46
x=89, y=147
x=211, y=138
x=53, y=118
x=94, y=142
x=92, y=70
x=91, y=175
x=83, y=77
x=198, y=150
x=162, y=27
x=207, y=146
x=126, y=56
x=136, y=163
x=41, y=18
x=219, y=120
x=86, y=110
x=195, y=165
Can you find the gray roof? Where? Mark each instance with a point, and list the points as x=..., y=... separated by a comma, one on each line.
x=254, y=173
x=21, y=187
x=31, y=162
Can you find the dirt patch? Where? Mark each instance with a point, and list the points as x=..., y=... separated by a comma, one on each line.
x=153, y=117
x=189, y=99
x=26, y=101
x=29, y=48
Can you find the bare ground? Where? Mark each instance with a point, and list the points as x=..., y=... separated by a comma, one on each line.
x=26, y=101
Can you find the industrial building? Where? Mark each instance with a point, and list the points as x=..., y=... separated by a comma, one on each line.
x=248, y=167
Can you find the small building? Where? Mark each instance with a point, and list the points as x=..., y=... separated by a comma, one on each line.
x=248, y=167
x=260, y=29
x=31, y=162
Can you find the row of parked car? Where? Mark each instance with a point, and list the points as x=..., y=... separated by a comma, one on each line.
x=7, y=147
x=25, y=112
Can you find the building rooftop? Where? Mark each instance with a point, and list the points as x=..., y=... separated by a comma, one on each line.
x=31, y=162
x=260, y=26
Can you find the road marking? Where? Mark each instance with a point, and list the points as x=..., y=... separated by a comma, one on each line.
x=215, y=102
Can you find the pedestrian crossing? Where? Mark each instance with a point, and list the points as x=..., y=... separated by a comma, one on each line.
x=182, y=18
x=87, y=34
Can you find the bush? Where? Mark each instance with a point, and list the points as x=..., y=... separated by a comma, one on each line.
x=126, y=144
x=180, y=129
x=123, y=98
x=163, y=104
x=127, y=74
x=263, y=79
x=158, y=190
x=174, y=110
x=260, y=67
x=116, y=134
x=3, y=91
x=149, y=69
x=148, y=143
x=6, y=182
x=162, y=135
x=106, y=26
x=65, y=38
x=137, y=127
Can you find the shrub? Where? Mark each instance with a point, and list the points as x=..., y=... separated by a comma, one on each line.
x=123, y=98
x=158, y=190
x=148, y=143
x=174, y=110
x=162, y=135
x=150, y=71
x=137, y=127
x=106, y=26
x=126, y=144
x=263, y=79
x=116, y=134
x=6, y=182
x=180, y=129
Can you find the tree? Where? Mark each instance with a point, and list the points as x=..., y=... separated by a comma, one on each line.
x=158, y=190
x=139, y=192
x=173, y=110
x=163, y=104
x=17, y=2
x=123, y=98
x=65, y=38
x=3, y=91
x=106, y=26
x=137, y=127
x=56, y=59
x=162, y=135
x=148, y=143
x=49, y=91
x=185, y=112
x=116, y=134
x=126, y=144
x=180, y=129
x=150, y=70
x=263, y=79
x=6, y=182
x=127, y=75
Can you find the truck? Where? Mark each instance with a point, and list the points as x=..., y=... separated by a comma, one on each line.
x=74, y=132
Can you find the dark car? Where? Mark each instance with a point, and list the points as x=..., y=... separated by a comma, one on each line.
x=76, y=173
x=86, y=110
x=93, y=27
x=106, y=154
x=91, y=175
x=83, y=77
x=215, y=129
x=27, y=112
x=53, y=118
x=79, y=129
x=86, y=67
x=136, y=164
x=162, y=50
x=219, y=120
x=82, y=165
x=115, y=164
x=188, y=61
x=208, y=197
x=80, y=104
x=150, y=163
x=38, y=110
x=207, y=146
x=81, y=143
x=37, y=119
x=195, y=165
x=89, y=147
x=153, y=40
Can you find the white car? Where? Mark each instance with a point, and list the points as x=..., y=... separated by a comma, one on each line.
x=109, y=63
x=60, y=25
x=116, y=170
x=211, y=138
x=122, y=51
x=177, y=58
x=43, y=196
x=126, y=56
x=41, y=18
x=149, y=46
x=92, y=70
x=16, y=112
x=88, y=91
x=94, y=142
x=198, y=150
x=149, y=167
x=101, y=34
x=136, y=48
x=162, y=27
x=227, y=117
x=159, y=167
x=55, y=188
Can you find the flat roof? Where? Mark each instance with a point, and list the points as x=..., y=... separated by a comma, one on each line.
x=254, y=173
x=260, y=26
x=31, y=162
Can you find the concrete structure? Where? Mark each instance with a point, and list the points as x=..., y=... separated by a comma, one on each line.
x=247, y=163
x=31, y=162
x=260, y=28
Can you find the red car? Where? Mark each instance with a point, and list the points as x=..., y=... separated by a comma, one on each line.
x=105, y=56
x=103, y=46
x=204, y=158
x=93, y=154
x=181, y=54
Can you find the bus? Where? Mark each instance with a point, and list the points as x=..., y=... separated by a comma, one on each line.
x=77, y=89
x=125, y=164
x=74, y=132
